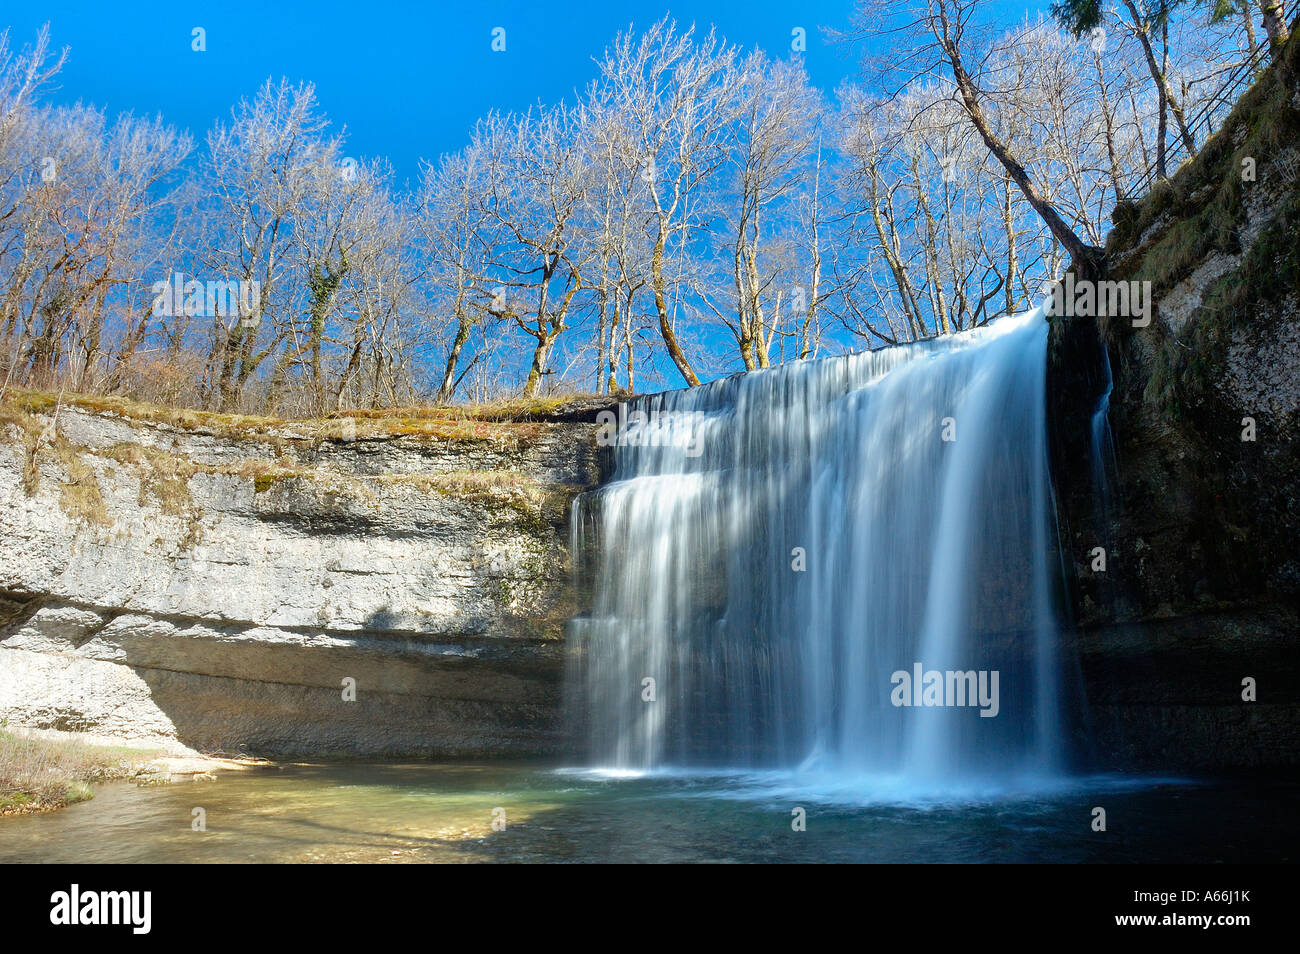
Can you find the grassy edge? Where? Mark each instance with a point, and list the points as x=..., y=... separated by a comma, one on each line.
x=40, y=774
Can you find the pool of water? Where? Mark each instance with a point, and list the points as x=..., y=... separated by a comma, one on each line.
x=426, y=812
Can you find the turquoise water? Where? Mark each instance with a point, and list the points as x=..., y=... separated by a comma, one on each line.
x=425, y=812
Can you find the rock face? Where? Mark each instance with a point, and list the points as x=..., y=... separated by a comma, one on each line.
x=221, y=592
x=1199, y=506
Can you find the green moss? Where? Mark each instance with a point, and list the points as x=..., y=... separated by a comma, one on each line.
x=1186, y=366
x=78, y=792
x=1132, y=218
x=1200, y=211
x=1202, y=203
x=15, y=800
x=264, y=481
x=1186, y=243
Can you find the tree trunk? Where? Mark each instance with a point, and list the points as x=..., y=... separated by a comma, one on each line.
x=1085, y=256
x=541, y=354
x=897, y=268
x=745, y=335
x=1275, y=26
x=1158, y=74
x=1009, y=224
x=665, y=325
x=1108, y=114
x=448, y=385
x=1249, y=23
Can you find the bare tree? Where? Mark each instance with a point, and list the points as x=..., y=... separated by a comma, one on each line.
x=772, y=151
x=538, y=181
x=1147, y=21
x=942, y=39
x=454, y=226
x=693, y=195
x=22, y=74
x=260, y=170
x=678, y=94
x=80, y=220
x=616, y=219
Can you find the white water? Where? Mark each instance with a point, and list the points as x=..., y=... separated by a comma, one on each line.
x=917, y=549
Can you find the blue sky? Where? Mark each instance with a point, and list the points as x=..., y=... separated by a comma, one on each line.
x=407, y=79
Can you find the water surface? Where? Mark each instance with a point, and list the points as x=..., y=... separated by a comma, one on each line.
x=425, y=812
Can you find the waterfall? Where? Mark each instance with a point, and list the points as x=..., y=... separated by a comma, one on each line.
x=777, y=549
x=1102, y=447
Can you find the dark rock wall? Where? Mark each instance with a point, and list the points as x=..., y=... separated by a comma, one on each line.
x=1201, y=526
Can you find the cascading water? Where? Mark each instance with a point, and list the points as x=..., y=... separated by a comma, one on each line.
x=775, y=547
x=1102, y=443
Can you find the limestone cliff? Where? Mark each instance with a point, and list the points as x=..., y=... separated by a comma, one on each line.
x=215, y=581
x=1199, y=507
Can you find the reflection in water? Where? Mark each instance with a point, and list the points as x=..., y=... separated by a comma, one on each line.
x=422, y=812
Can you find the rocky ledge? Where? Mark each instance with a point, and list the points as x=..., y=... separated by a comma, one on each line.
x=1187, y=630
x=356, y=586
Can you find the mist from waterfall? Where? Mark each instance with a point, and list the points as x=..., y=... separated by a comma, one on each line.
x=775, y=546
